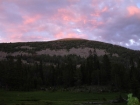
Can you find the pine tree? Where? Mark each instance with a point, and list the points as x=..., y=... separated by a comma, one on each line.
x=89, y=68
x=106, y=69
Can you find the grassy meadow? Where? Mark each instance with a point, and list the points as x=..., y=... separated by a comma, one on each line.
x=56, y=98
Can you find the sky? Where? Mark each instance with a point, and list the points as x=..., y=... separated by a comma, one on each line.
x=110, y=21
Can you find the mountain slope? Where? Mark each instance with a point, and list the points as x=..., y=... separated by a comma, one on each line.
x=68, y=63
x=79, y=47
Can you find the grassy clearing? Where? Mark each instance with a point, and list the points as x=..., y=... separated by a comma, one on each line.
x=55, y=98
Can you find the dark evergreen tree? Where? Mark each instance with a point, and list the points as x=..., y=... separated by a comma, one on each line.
x=84, y=73
x=59, y=75
x=134, y=83
x=106, y=69
x=96, y=75
x=69, y=72
x=89, y=67
x=41, y=72
x=119, y=77
x=78, y=77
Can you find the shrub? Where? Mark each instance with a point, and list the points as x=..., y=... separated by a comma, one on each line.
x=133, y=100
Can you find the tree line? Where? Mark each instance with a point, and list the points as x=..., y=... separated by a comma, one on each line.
x=16, y=75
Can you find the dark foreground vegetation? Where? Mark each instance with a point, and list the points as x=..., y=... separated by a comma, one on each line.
x=58, y=97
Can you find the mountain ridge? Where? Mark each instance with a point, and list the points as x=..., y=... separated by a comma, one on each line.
x=67, y=39
x=66, y=46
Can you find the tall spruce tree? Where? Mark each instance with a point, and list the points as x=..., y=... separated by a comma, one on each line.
x=106, y=69
x=96, y=69
x=89, y=68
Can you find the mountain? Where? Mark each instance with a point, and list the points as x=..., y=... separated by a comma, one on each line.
x=69, y=63
x=67, y=46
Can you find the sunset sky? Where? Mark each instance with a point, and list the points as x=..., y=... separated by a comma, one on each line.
x=111, y=21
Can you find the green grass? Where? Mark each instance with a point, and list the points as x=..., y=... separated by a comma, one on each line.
x=55, y=98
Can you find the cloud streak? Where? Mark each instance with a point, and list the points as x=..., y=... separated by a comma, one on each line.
x=112, y=21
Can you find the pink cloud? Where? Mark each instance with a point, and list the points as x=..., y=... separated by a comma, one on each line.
x=132, y=10
x=33, y=37
x=59, y=35
x=42, y=28
x=14, y=34
x=66, y=15
x=104, y=9
x=15, y=37
x=31, y=19
x=74, y=35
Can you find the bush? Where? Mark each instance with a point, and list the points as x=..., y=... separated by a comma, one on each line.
x=133, y=100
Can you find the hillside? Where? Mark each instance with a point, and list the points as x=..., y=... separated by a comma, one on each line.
x=62, y=47
x=68, y=63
